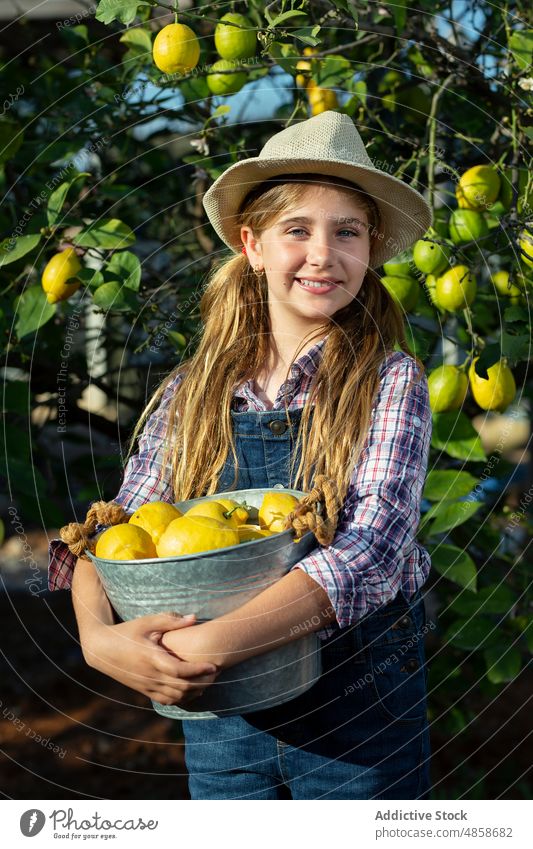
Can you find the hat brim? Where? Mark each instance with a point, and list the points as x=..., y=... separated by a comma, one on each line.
x=405, y=215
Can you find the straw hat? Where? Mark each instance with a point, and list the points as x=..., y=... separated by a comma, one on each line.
x=328, y=143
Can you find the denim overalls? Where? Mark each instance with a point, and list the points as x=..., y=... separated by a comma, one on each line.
x=361, y=731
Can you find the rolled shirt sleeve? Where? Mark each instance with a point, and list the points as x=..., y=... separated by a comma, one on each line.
x=144, y=480
x=374, y=553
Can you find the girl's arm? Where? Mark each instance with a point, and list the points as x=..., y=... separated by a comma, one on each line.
x=288, y=610
x=130, y=652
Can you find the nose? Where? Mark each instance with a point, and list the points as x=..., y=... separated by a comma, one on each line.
x=320, y=251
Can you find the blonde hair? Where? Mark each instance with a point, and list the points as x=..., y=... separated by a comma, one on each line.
x=235, y=344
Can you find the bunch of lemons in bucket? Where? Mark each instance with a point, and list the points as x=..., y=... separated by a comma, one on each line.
x=483, y=194
x=176, y=50
x=158, y=529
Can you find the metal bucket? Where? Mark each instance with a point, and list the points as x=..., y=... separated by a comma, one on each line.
x=210, y=585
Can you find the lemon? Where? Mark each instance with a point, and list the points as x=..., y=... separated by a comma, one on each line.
x=501, y=284
x=247, y=533
x=467, y=225
x=480, y=186
x=223, y=84
x=448, y=386
x=176, y=49
x=125, y=542
x=399, y=266
x=60, y=268
x=154, y=518
x=305, y=66
x=525, y=242
x=321, y=99
x=430, y=284
x=241, y=513
x=235, y=42
x=404, y=290
x=194, y=534
x=455, y=289
x=275, y=507
x=496, y=392
x=214, y=510
x=430, y=257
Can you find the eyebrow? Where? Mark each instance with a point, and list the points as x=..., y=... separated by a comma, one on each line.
x=303, y=219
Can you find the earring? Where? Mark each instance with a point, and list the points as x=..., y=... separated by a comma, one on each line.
x=258, y=271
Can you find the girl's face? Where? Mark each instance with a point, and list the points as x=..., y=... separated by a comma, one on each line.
x=324, y=239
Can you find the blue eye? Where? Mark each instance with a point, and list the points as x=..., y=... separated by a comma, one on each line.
x=301, y=230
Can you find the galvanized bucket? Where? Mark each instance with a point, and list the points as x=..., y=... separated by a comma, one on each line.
x=210, y=585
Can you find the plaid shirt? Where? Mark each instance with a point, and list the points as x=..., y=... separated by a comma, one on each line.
x=374, y=553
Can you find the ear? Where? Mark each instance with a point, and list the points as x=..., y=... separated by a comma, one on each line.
x=252, y=245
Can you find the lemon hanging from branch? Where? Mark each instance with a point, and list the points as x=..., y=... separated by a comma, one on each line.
x=61, y=268
x=495, y=392
x=235, y=42
x=176, y=49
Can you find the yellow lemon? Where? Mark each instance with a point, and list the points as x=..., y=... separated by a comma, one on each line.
x=430, y=285
x=176, y=49
x=305, y=66
x=275, y=507
x=215, y=510
x=154, y=518
x=235, y=42
x=455, y=289
x=526, y=247
x=225, y=83
x=251, y=532
x=241, y=513
x=448, y=386
x=194, y=534
x=60, y=268
x=480, y=186
x=496, y=392
x=125, y=542
x=404, y=290
x=321, y=99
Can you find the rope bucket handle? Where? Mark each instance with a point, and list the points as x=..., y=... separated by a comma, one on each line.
x=77, y=535
x=306, y=516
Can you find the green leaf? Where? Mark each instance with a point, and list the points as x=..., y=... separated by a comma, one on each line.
x=516, y=348
x=106, y=233
x=521, y=46
x=502, y=665
x=58, y=197
x=137, y=39
x=472, y=634
x=348, y=6
x=126, y=268
x=286, y=16
x=515, y=313
x=307, y=34
x=331, y=71
x=454, y=433
x=178, y=339
x=32, y=310
x=452, y=514
x=11, y=136
x=91, y=278
x=16, y=396
x=115, y=296
x=454, y=564
x=118, y=10
x=441, y=485
x=17, y=247
x=399, y=13
x=223, y=109
x=493, y=599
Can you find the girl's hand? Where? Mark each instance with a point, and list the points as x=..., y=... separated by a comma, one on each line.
x=131, y=653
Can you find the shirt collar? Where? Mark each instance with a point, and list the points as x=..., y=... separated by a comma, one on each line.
x=306, y=364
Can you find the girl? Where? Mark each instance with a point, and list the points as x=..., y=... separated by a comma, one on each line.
x=302, y=369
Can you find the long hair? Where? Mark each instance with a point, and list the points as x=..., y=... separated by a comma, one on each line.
x=235, y=343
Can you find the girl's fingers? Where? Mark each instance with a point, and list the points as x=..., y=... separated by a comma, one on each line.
x=167, y=664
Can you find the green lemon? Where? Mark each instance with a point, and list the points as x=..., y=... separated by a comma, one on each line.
x=467, y=225
x=456, y=289
x=501, y=284
x=225, y=83
x=235, y=42
x=525, y=243
x=430, y=284
x=447, y=386
x=404, y=290
x=430, y=257
x=400, y=265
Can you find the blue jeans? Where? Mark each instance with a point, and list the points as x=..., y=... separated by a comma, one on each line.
x=361, y=731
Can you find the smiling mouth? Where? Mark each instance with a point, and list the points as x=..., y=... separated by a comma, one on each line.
x=317, y=286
